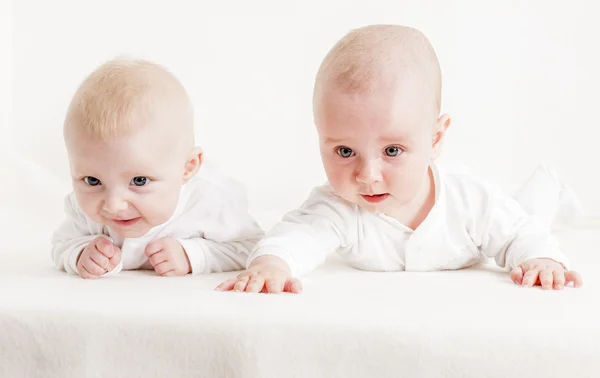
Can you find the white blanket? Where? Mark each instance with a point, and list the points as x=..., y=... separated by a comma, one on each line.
x=347, y=323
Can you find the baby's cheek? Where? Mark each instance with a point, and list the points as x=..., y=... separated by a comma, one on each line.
x=339, y=177
x=89, y=204
x=160, y=208
x=402, y=190
x=342, y=187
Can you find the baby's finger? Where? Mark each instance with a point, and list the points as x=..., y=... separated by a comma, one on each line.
x=153, y=247
x=105, y=247
x=293, y=286
x=559, y=279
x=516, y=275
x=241, y=283
x=100, y=260
x=163, y=267
x=572, y=276
x=92, y=268
x=546, y=279
x=116, y=258
x=169, y=242
x=530, y=277
x=83, y=273
x=275, y=285
x=158, y=258
x=255, y=285
x=227, y=285
x=87, y=275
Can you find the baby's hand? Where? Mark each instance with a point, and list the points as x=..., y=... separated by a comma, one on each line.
x=168, y=257
x=545, y=272
x=99, y=257
x=266, y=274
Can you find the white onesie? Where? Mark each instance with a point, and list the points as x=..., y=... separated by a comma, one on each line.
x=469, y=222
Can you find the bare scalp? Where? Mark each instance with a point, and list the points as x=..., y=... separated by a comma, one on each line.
x=378, y=58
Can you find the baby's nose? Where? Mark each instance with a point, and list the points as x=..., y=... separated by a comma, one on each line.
x=115, y=204
x=368, y=173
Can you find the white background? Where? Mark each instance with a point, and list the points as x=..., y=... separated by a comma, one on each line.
x=521, y=79
x=5, y=70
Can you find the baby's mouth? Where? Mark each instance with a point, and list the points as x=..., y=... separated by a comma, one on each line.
x=374, y=198
x=126, y=222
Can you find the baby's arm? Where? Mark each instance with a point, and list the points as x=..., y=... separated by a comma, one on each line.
x=224, y=231
x=296, y=245
x=77, y=248
x=213, y=253
x=516, y=240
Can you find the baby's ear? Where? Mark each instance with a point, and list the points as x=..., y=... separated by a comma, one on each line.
x=439, y=132
x=192, y=164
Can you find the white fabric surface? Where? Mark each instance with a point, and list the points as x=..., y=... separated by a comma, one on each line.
x=347, y=323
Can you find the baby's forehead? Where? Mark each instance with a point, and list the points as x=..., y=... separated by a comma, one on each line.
x=406, y=102
x=158, y=125
x=144, y=147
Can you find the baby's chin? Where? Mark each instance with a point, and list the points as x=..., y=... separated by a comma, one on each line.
x=131, y=234
x=375, y=209
x=133, y=231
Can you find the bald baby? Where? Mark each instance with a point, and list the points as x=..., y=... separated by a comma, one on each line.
x=377, y=110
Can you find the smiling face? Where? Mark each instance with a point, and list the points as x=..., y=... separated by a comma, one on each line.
x=129, y=133
x=132, y=183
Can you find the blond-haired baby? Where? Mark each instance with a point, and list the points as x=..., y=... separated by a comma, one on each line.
x=142, y=198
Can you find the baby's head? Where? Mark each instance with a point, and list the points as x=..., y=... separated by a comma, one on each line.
x=130, y=140
x=377, y=111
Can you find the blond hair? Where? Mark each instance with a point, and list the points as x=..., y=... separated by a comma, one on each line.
x=377, y=57
x=122, y=93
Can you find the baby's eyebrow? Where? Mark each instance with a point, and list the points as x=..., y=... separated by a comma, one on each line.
x=330, y=140
x=81, y=173
x=395, y=138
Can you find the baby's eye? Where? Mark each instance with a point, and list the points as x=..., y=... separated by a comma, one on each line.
x=139, y=180
x=91, y=181
x=345, y=152
x=393, y=151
